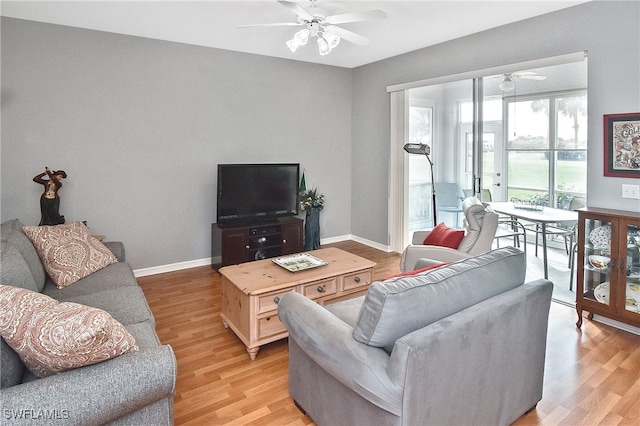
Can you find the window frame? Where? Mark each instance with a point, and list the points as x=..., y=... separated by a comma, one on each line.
x=551, y=150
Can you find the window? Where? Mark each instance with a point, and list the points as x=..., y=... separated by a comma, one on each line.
x=546, y=147
x=419, y=199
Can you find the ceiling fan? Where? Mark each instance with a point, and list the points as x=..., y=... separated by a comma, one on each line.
x=507, y=84
x=316, y=23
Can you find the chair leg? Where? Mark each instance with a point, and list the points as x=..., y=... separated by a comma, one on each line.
x=302, y=409
x=572, y=260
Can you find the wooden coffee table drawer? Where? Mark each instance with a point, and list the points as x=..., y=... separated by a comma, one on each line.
x=319, y=288
x=357, y=279
x=270, y=326
x=269, y=301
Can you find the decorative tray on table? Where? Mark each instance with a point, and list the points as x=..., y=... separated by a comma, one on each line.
x=299, y=262
x=533, y=205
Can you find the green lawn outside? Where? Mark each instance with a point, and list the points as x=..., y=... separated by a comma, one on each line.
x=528, y=174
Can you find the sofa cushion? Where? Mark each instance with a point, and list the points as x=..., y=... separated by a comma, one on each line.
x=117, y=275
x=347, y=310
x=12, y=366
x=444, y=236
x=69, y=252
x=399, y=306
x=14, y=269
x=51, y=337
x=14, y=236
x=126, y=305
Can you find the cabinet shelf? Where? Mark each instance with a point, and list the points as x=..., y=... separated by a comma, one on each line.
x=255, y=241
x=623, y=302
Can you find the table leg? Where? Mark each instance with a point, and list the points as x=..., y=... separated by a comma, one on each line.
x=253, y=352
x=544, y=250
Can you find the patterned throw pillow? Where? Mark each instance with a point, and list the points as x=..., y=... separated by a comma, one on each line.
x=69, y=252
x=50, y=336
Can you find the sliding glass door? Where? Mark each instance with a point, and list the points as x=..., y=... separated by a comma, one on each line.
x=490, y=154
x=432, y=114
x=517, y=134
x=420, y=129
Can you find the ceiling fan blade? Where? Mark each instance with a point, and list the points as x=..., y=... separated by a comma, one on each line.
x=297, y=9
x=356, y=16
x=347, y=35
x=276, y=24
x=533, y=77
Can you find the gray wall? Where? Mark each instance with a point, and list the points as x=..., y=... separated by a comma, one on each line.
x=140, y=125
x=609, y=31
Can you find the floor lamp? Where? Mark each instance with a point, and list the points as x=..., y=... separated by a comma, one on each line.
x=424, y=149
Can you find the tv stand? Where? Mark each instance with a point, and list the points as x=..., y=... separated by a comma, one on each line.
x=255, y=241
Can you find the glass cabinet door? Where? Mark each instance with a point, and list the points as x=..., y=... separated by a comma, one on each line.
x=609, y=271
x=597, y=259
x=632, y=288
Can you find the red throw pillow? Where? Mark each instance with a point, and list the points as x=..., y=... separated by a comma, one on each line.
x=417, y=271
x=444, y=236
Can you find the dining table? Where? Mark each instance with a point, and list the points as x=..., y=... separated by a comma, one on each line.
x=541, y=215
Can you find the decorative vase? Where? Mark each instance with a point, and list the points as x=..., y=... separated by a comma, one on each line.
x=312, y=229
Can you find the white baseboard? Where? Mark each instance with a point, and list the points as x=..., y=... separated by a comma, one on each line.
x=337, y=239
x=617, y=324
x=161, y=269
x=372, y=244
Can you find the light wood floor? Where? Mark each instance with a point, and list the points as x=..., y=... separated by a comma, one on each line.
x=592, y=375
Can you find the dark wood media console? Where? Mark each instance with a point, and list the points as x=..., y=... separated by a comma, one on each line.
x=255, y=241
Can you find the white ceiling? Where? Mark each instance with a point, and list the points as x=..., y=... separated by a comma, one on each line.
x=410, y=25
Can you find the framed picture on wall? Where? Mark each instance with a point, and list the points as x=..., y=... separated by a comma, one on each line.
x=622, y=145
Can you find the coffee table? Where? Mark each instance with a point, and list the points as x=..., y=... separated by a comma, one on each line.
x=251, y=292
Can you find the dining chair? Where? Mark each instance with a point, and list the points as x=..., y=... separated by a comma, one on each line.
x=567, y=233
x=508, y=227
x=573, y=239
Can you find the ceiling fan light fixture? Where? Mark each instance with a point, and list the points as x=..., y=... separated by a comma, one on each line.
x=302, y=37
x=292, y=45
x=332, y=40
x=323, y=46
x=507, y=85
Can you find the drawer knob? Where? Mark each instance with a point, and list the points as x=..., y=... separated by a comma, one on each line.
x=247, y=247
x=320, y=289
x=284, y=241
x=357, y=279
x=276, y=300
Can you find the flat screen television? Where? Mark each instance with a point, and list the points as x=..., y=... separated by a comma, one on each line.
x=250, y=193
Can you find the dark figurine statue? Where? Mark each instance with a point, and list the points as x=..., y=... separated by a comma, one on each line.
x=49, y=201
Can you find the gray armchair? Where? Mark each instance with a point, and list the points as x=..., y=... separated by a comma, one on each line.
x=480, y=229
x=463, y=344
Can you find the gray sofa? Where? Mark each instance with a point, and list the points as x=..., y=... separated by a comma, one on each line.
x=463, y=344
x=135, y=388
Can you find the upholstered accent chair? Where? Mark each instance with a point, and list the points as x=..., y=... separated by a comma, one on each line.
x=480, y=227
x=462, y=344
